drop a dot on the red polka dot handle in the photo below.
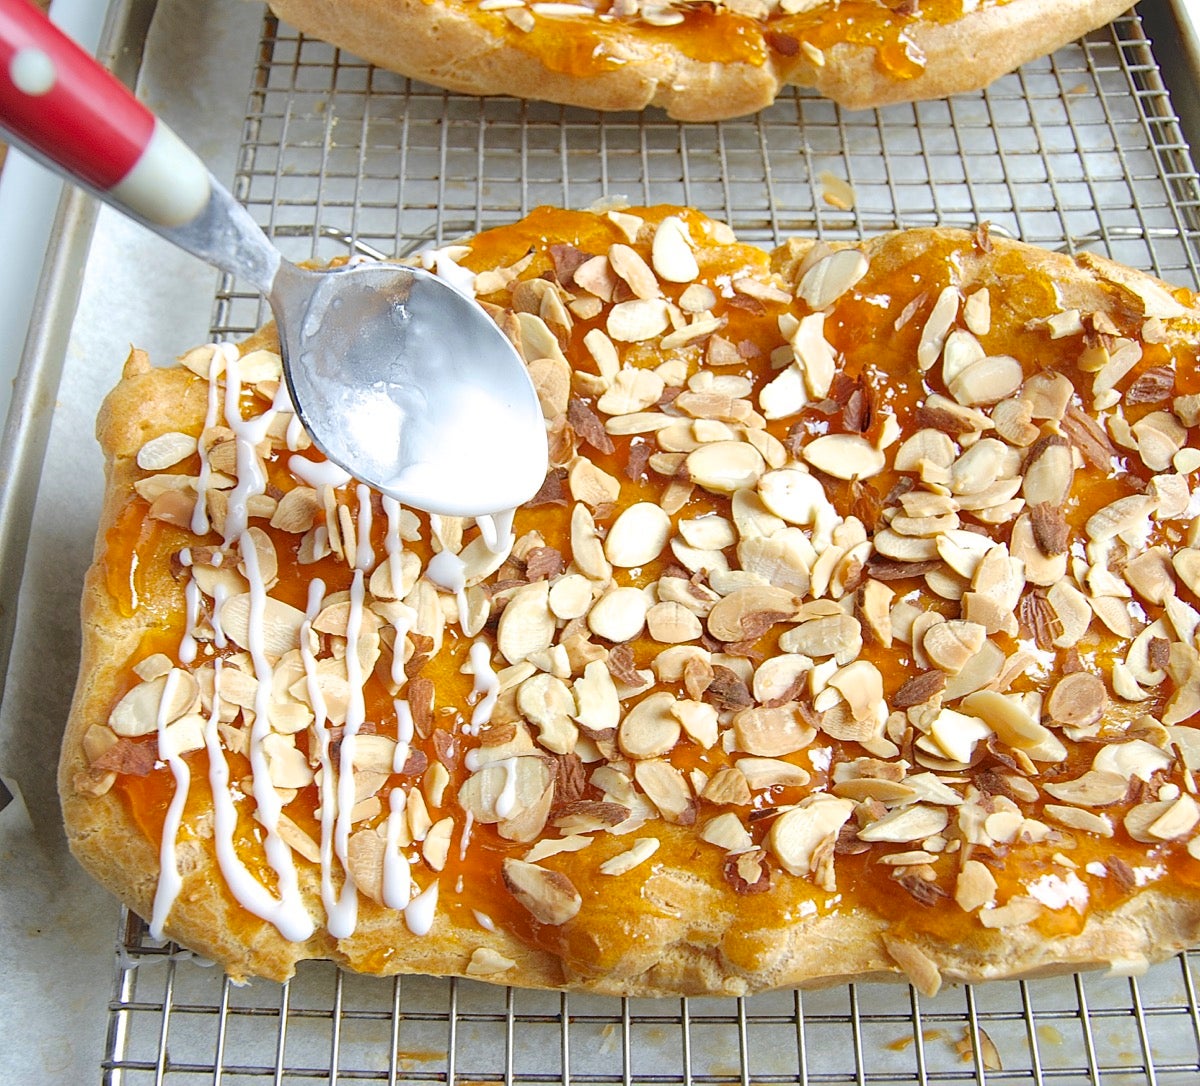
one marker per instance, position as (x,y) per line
(58,103)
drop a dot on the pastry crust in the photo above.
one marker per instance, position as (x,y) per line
(1051,828)
(694,78)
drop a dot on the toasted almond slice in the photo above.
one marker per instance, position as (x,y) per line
(500,789)
(667,788)
(762,773)
(725,466)
(796,835)
(671,252)
(165,451)
(1077,700)
(844,456)
(167,696)
(987,381)
(830,277)
(278,626)
(1076,818)
(637,536)
(937,327)
(599,709)
(1135,759)
(547,701)
(727,832)
(1015,726)
(486,962)
(771,732)
(913,823)
(618,615)
(651,728)
(622,863)
(548,895)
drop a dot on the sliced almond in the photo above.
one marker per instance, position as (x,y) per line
(548,895)
(624,862)
(637,536)
(797,835)
(844,456)
(830,277)
(671,251)
(1077,700)
(725,466)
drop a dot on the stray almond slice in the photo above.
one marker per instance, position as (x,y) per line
(919,967)
(548,895)
(486,962)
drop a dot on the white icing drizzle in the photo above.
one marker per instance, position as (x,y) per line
(191,601)
(507,799)
(444,266)
(200,521)
(419,913)
(248,433)
(393,546)
(397,875)
(405,730)
(468,825)
(295,431)
(267,799)
(170,881)
(364,557)
(355,716)
(340,909)
(220,595)
(487,686)
(496,529)
(448,571)
(286,914)
(318,473)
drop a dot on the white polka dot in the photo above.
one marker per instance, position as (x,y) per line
(32,71)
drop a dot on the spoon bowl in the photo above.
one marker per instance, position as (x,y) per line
(399,377)
(398,380)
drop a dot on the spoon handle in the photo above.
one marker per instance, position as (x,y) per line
(77,118)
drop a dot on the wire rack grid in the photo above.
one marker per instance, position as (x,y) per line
(1081,149)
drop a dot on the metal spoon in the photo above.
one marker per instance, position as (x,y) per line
(398,377)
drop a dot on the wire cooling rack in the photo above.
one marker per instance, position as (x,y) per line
(1079,150)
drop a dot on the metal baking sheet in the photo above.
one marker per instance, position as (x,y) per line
(1084,149)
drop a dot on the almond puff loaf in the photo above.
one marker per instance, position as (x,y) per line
(701,61)
(853,634)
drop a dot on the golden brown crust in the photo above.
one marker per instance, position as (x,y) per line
(445,43)
(683,930)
